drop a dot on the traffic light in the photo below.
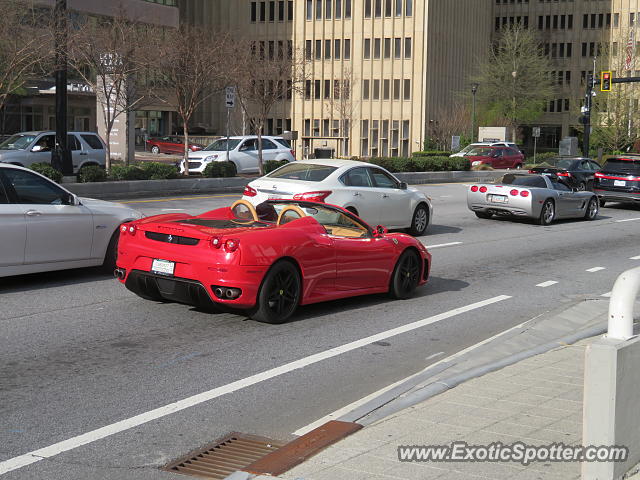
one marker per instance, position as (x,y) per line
(605,81)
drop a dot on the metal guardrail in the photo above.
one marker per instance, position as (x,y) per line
(623,297)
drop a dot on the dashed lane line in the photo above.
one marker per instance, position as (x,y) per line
(594,269)
(546,284)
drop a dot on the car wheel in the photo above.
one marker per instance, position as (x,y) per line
(592,209)
(110,257)
(484,215)
(155,149)
(419,221)
(279,294)
(519,166)
(582,187)
(602,203)
(548,213)
(406,275)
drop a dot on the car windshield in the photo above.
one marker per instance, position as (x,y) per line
(524,180)
(221,145)
(562,163)
(480,151)
(17,142)
(469,147)
(303,171)
(622,165)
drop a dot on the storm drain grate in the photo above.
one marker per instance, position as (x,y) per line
(218,460)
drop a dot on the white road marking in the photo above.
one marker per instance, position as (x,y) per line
(628,220)
(444,245)
(606,295)
(546,284)
(34,456)
(430,357)
(635,258)
(594,269)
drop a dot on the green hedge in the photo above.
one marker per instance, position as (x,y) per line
(127,172)
(422,164)
(159,171)
(92,173)
(219,169)
(48,171)
(271,165)
(431,153)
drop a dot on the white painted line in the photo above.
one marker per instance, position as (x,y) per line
(628,220)
(635,258)
(606,295)
(594,269)
(18,462)
(546,284)
(444,245)
(430,357)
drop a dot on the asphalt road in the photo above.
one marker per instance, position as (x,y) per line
(78,352)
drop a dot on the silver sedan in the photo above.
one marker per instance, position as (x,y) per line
(542,197)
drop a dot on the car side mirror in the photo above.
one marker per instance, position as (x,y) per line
(403,185)
(37,148)
(69,199)
(379,231)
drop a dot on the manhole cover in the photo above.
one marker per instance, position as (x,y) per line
(218,460)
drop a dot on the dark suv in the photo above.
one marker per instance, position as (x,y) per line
(619,180)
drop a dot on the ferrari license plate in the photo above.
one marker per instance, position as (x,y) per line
(619,183)
(498,198)
(163,267)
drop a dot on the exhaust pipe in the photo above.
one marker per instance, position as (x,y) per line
(227,293)
(119,273)
(220,293)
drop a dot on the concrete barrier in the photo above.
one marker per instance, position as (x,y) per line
(611,413)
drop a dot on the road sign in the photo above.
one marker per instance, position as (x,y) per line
(536,132)
(230,97)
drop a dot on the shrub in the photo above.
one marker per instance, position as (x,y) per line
(159,171)
(219,169)
(271,165)
(128,172)
(47,170)
(431,153)
(92,173)
(541,157)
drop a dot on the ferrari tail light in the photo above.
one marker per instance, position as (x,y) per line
(216,242)
(249,191)
(514,192)
(231,245)
(129,228)
(474,188)
(564,174)
(313,196)
(524,193)
(483,189)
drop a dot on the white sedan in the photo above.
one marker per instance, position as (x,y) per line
(44,227)
(367,190)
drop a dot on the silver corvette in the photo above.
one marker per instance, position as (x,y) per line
(542,197)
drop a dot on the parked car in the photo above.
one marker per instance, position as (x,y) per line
(267,260)
(243,153)
(577,172)
(45,227)
(27,148)
(544,198)
(618,180)
(471,146)
(366,190)
(170,144)
(496,157)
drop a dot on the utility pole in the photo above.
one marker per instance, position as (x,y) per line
(60,155)
(474,90)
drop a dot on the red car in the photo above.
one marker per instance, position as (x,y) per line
(267,259)
(170,145)
(496,157)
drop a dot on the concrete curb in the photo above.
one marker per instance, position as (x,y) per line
(199,185)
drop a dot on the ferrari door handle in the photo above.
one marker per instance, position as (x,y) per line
(33,213)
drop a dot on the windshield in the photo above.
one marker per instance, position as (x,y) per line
(562,163)
(622,166)
(480,151)
(17,142)
(524,180)
(221,145)
(303,171)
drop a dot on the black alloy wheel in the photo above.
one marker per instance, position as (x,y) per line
(406,275)
(279,294)
(591,211)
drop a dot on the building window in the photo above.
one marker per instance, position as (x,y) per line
(327,89)
(367,8)
(318,9)
(309,9)
(386,89)
(376,89)
(387,48)
(336,49)
(316,89)
(327,9)
(378,8)
(272,11)
(398,8)
(347,49)
(407,89)
(338,13)
(290,11)
(263,11)
(396,89)
(281,11)
(408,8)
(347,8)
(308,53)
(307,127)
(365,89)
(367,48)
(318,49)
(327,49)
(254,11)
(387,8)
(307,90)
(407,47)
(376,48)
(397,48)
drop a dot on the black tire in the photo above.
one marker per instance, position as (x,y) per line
(155,149)
(548,212)
(602,203)
(591,212)
(406,275)
(519,166)
(419,221)
(484,215)
(111,256)
(279,294)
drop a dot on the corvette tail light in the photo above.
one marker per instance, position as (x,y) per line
(231,245)
(524,193)
(474,188)
(216,242)
(564,174)
(313,196)
(483,189)
(249,192)
(513,192)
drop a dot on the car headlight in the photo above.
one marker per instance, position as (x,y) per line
(211,158)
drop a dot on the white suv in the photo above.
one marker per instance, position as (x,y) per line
(243,153)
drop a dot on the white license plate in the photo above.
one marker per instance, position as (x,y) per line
(619,183)
(274,197)
(163,267)
(498,198)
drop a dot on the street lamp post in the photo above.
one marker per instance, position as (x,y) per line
(60,155)
(474,89)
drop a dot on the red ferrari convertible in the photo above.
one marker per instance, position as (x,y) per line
(267,259)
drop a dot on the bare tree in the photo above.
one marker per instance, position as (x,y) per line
(452,121)
(108,55)
(25,45)
(270,73)
(193,65)
(342,106)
